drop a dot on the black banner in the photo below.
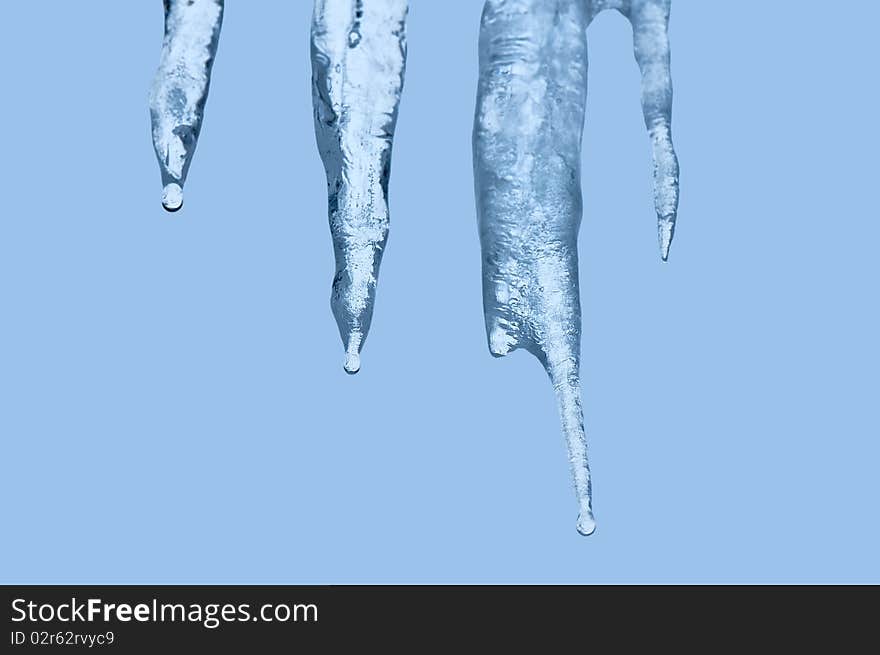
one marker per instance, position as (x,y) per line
(179,618)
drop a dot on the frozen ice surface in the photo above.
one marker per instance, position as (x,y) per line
(527,163)
(180,88)
(358,61)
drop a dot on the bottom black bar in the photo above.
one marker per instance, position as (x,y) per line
(172,619)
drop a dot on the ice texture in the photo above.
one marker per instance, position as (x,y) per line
(180,89)
(358,61)
(650,23)
(527,163)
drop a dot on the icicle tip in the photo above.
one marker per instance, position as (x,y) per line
(353,353)
(172,197)
(352,363)
(666,231)
(586,524)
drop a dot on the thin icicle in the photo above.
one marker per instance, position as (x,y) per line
(180,89)
(650,25)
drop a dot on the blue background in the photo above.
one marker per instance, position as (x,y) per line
(174,407)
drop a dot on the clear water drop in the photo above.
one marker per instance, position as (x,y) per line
(172,197)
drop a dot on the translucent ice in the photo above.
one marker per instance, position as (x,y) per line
(650,23)
(180,88)
(527,157)
(358,60)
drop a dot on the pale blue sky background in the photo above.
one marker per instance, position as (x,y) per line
(172,401)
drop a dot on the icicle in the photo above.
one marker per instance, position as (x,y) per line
(358,60)
(650,25)
(527,154)
(180,89)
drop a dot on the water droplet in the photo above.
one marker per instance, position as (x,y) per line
(172,197)
(352,362)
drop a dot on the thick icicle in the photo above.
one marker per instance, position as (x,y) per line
(527,163)
(358,60)
(527,152)
(180,88)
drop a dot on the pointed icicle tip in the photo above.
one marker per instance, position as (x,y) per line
(353,354)
(172,197)
(352,362)
(666,230)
